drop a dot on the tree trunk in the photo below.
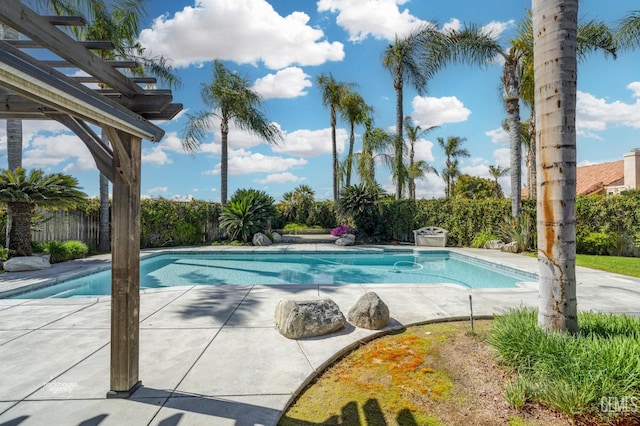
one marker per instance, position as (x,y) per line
(412,181)
(555,30)
(20,232)
(334,151)
(513,109)
(352,141)
(104,238)
(224,160)
(399,142)
(533,185)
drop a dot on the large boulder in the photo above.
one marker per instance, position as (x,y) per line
(346,240)
(26,263)
(494,245)
(277,238)
(260,239)
(512,247)
(369,312)
(307,317)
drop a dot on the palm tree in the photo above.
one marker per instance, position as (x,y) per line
(354,110)
(627,35)
(555,70)
(497,172)
(453,151)
(375,144)
(417,57)
(332,93)
(303,199)
(416,170)
(23,193)
(229,98)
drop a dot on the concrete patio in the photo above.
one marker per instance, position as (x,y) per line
(210,355)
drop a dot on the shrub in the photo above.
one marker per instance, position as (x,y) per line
(77,249)
(517,230)
(64,251)
(482,238)
(4,253)
(248,212)
(599,243)
(323,214)
(342,230)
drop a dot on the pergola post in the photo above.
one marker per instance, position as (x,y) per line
(125,269)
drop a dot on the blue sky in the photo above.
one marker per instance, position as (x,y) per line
(281,46)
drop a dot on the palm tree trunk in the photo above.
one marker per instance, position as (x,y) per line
(513,110)
(224,160)
(412,181)
(20,233)
(555,31)
(334,151)
(533,185)
(399,142)
(352,141)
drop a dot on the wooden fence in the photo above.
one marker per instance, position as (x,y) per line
(63,225)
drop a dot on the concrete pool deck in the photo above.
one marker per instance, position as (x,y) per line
(212,355)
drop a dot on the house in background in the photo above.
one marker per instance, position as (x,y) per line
(607,178)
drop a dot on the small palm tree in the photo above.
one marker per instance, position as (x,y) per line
(354,110)
(497,172)
(23,193)
(229,98)
(452,150)
(248,212)
(418,169)
(376,142)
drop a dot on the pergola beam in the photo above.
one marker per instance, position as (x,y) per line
(90,44)
(27,22)
(24,75)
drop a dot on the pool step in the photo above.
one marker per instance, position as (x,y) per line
(309,239)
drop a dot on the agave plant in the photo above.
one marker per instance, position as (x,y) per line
(23,193)
(361,203)
(248,212)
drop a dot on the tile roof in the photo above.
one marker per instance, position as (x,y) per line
(595,177)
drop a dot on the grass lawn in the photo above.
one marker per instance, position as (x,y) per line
(619,265)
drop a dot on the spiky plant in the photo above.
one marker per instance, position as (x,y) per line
(22,192)
(247,212)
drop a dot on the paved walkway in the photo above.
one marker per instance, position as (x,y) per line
(211,355)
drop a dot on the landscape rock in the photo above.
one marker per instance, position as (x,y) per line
(512,247)
(494,245)
(259,239)
(277,238)
(26,263)
(369,312)
(346,240)
(297,318)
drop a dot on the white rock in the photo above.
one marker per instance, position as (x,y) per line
(346,240)
(306,317)
(26,263)
(259,239)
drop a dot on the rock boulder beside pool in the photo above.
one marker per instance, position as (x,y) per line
(26,263)
(369,312)
(297,318)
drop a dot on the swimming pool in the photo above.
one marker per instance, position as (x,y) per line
(295,268)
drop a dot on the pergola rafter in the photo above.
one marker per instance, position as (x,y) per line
(32,88)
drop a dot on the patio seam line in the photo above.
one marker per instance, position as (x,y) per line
(164,403)
(28,331)
(167,304)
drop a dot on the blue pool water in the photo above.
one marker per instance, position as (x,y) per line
(249,268)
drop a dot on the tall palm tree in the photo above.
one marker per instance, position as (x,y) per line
(229,98)
(417,57)
(592,36)
(354,110)
(332,93)
(416,170)
(453,151)
(555,71)
(496,173)
(23,193)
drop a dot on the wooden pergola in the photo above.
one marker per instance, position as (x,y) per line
(32,88)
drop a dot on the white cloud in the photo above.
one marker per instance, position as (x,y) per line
(311,143)
(290,82)
(243,162)
(430,186)
(279,178)
(246,31)
(428,111)
(496,28)
(155,155)
(502,157)
(381,19)
(595,114)
(423,150)
(157,189)
(453,25)
(47,151)
(498,136)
